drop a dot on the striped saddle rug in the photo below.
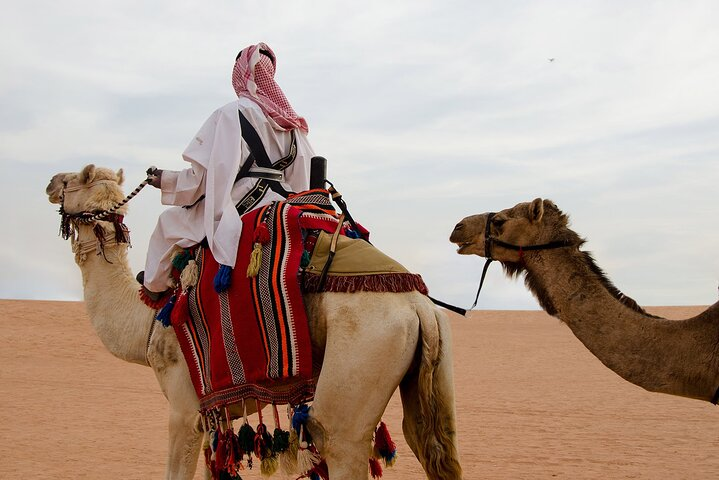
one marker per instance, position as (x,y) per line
(252,340)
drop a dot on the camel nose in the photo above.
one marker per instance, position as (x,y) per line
(457,230)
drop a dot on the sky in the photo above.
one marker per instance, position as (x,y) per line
(427,111)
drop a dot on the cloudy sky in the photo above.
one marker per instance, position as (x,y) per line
(427,111)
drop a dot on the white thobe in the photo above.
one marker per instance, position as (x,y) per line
(215,155)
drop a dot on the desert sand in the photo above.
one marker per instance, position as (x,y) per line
(532,403)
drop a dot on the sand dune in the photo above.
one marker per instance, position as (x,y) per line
(532,403)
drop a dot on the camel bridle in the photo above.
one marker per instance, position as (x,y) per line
(490,242)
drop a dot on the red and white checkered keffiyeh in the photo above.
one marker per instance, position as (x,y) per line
(254,77)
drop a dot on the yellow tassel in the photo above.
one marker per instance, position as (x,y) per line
(255,260)
(269,466)
(189,276)
(288,458)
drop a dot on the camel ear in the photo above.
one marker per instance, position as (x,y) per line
(120,177)
(88,174)
(536,210)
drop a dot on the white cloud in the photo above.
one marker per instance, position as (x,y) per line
(427,111)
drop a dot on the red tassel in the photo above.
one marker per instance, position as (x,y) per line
(234,457)
(262,450)
(375,469)
(382,440)
(221,452)
(181,311)
(262,233)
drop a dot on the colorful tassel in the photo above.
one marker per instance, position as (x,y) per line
(246,438)
(384,447)
(375,469)
(262,442)
(181,311)
(307,457)
(221,452)
(300,417)
(306,258)
(262,233)
(223,278)
(164,314)
(269,466)
(180,260)
(190,275)
(253,268)
(280,440)
(288,458)
(233,454)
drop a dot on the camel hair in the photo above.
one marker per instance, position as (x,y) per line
(368,345)
(677,357)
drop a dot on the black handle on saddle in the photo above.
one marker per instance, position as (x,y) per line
(318,172)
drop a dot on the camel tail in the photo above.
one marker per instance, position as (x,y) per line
(436,435)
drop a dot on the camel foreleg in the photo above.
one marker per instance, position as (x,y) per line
(185,426)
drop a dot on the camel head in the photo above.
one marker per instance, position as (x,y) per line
(90,190)
(534,223)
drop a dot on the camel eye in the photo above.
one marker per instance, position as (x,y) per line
(498,222)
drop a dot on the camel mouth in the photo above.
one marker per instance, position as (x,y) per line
(463,246)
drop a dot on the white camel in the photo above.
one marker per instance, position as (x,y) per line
(368,343)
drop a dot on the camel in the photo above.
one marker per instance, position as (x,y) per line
(668,356)
(368,343)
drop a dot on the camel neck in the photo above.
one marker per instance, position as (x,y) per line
(118,315)
(677,357)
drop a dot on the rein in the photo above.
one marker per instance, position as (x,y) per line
(70,221)
(88,217)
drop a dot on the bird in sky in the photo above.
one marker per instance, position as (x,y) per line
(551,59)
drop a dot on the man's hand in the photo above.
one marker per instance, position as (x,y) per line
(155,176)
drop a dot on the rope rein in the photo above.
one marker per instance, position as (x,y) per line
(84,218)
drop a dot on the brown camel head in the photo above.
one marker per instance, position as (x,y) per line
(531,223)
(92,189)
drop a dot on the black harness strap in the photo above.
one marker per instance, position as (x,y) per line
(258,156)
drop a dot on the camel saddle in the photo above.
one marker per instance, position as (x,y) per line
(252,339)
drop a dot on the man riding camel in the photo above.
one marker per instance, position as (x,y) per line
(249,153)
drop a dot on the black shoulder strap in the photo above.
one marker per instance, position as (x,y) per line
(257,149)
(258,155)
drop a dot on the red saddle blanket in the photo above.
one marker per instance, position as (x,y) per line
(252,340)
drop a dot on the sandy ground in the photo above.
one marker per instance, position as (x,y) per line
(532,402)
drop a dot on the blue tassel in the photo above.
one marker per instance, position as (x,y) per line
(302,414)
(352,234)
(164,314)
(223,278)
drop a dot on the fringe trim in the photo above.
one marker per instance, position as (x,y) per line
(154,304)
(381,282)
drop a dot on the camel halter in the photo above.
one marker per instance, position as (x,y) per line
(490,242)
(90,217)
(70,221)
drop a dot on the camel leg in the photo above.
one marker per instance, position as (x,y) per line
(434,446)
(185,427)
(368,350)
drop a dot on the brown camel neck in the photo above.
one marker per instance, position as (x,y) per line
(120,319)
(669,356)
